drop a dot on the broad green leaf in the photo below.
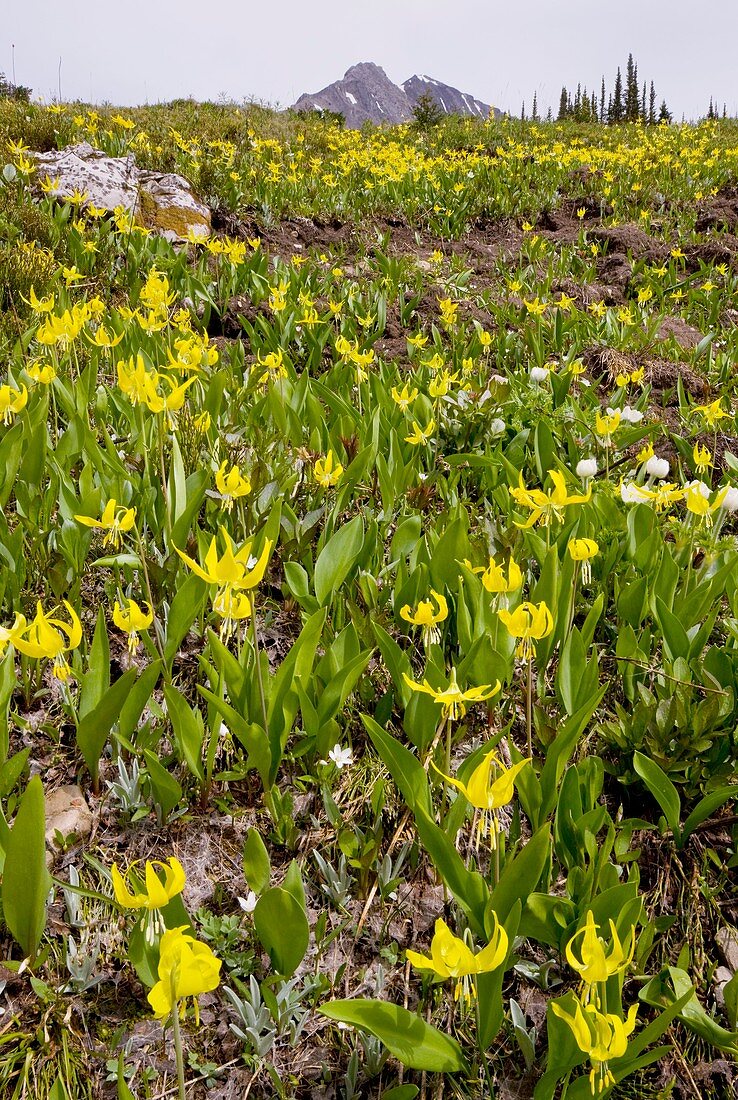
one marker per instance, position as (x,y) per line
(96,680)
(337,558)
(94,729)
(282,926)
(257,867)
(166,789)
(412,1041)
(707,806)
(521,874)
(26,881)
(186,606)
(188,728)
(662,789)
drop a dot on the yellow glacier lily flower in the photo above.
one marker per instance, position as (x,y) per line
(583,550)
(157,893)
(51,638)
(494,580)
(131,619)
(452,698)
(327,472)
(420,435)
(595,965)
(231,485)
(115,520)
(602,1036)
(450,957)
(187,968)
(426,617)
(547,506)
(12,401)
(491,785)
(529,622)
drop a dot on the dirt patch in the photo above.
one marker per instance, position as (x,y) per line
(630,240)
(676,329)
(662,375)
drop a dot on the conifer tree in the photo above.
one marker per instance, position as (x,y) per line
(616,111)
(534,111)
(664,112)
(563,105)
(602,101)
(652,106)
(644,116)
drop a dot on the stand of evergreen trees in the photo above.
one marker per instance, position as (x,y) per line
(13,91)
(629,101)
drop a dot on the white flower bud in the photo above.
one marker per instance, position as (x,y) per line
(730,500)
(587,467)
(539,374)
(657,467)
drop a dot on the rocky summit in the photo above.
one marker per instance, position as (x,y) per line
(366,94)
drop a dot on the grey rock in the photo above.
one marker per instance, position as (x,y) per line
(160,201)
(726,941)
(67,814)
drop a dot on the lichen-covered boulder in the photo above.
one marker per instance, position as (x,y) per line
(160,201)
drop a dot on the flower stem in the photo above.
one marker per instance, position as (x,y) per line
(257,656)
(178,1050)
(529,705)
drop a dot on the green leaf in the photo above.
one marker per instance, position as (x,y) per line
(138,697)
(282,926)
(96,680)
(94,728)
(188,728)
(257,867)
(26,881)
(412,1041)
(185,608)
(521,874)
(166,789)
(706,807)
(676,639)
(337,558)
(662,789)
(7,686)
(405,768)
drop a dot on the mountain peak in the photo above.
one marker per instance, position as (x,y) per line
(366,94)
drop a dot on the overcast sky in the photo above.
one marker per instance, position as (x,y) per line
(138,51)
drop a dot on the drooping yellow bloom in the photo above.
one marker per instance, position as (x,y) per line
(702,458)
(51,638)
(602,1036)
(607,425)
(326,471)
(426,617)
(234,574)
(583,550)
(449,311)
(43,373)
(441,384)
(452,698)
(595,964)
(420,435)
(8,634)
(187,968)
(115,520)
(40,305)
(450,957)
(494,580)
(529,622)
(231,485)
(130,619)
(155,894)
(12,401)
(711,413)
(404,397)
(491,785)
(547,506)
(697,500)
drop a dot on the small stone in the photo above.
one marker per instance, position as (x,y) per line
(726,940)
(67,814)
